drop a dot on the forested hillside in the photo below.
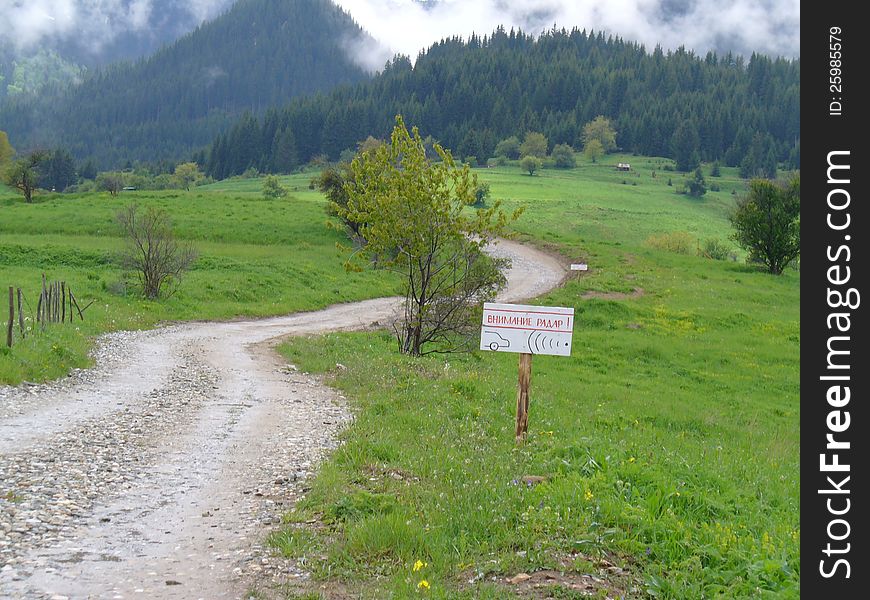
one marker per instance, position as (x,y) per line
(471,94)
(261,53)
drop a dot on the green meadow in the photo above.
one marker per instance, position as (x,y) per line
(663,453)
(257,257)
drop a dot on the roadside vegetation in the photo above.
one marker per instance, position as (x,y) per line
(662,459)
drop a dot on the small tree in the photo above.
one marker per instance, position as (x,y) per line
(151,248)
(593,150)
(563,156)
(482,194)
(509,148)
(414,221)
(272,188)
(23,174)
(767,223)
(187,174)
(716,170)
(697,185)
(531,164)
(110,182)
(6,149)
(600,129)
(534,144)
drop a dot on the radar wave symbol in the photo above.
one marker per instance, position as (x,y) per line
(540,342)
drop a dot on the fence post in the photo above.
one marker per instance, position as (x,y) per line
(11,317)
(20,315)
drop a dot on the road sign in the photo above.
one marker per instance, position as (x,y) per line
(527,329)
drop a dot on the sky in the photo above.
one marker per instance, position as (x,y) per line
(407,26)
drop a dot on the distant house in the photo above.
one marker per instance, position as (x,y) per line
(129,188)
(623,167)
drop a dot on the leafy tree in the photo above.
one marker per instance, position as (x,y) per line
(534,144)
(23,174)
(697,185)
(110,182)
(600,129)
(563,155)
(272,188)
(6,149)
(509,148)
(767,223)
(482,194)
(187,174)
(715,170)
(370,143)
(151,248)
(531,164)
(335,182)
(415,223)
(593,150)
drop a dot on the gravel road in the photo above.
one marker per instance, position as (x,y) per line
(159,472)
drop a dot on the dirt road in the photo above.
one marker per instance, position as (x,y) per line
(158,473)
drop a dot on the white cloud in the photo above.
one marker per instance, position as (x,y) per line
(26,24)
(743,26)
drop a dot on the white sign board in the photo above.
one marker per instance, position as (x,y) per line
(579,267)
(528,329)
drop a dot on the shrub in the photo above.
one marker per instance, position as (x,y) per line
(717,250)
(680,242)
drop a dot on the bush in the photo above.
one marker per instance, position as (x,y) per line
(151,249)
(680,242)
(717,250)
(563,157)
(272,188)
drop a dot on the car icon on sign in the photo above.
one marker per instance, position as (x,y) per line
(495,341)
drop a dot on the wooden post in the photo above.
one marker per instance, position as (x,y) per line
(20,315)
(74,301)
(525,378)
(62,301)
(44,300)
(11,317)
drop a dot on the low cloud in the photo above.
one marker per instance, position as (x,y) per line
(92,24)
(741,26)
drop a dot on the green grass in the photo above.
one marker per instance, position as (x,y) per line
(669,439)
(257,257)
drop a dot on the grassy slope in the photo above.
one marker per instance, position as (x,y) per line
(669,438)
(257,257)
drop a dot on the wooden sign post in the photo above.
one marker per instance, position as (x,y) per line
(527,330)
(524,381)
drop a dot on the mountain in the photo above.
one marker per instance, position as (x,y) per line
(260,53)
(471,94)
(49,43)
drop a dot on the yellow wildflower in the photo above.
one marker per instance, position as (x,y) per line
(423,585)
(588,495)
(419,565)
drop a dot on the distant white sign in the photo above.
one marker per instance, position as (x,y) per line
(527,329)
(579,267)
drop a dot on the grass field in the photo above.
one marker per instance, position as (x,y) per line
(257,257)
(668,441)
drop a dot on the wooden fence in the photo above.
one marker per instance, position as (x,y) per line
(55,305)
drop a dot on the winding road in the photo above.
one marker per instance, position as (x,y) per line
(159,472)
